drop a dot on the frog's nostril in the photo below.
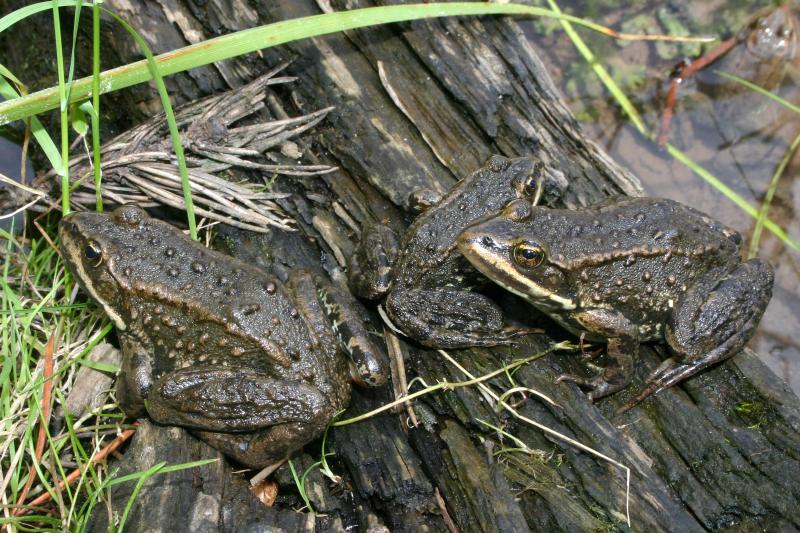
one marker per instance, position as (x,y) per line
(487,242)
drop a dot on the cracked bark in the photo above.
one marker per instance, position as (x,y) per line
(420,105)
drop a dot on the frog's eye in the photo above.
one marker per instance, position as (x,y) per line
(529,185)
(528,255)
(92,251)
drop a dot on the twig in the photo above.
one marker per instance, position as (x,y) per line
(75,474)
(47,395)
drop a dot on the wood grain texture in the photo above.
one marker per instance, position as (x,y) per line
(421,105)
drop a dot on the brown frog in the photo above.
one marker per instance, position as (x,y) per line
(248,364)
(625,271)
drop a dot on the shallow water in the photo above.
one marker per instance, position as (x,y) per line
(738,136)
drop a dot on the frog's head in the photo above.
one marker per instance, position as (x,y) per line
(508,249)
(772,35)
(93,245)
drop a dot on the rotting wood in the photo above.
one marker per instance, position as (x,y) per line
(419,105)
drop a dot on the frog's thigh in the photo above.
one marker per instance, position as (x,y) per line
(449,318)
(326,309)
(234,400)
(265,447)
(714,320)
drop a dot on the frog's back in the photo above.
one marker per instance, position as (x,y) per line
(201,306)
(430,241)
(642,227)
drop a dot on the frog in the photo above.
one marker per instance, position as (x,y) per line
(249,364)
(761,52)
(424,283)
(625,271)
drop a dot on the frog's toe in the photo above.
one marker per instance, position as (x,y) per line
(512,332)
(599,386)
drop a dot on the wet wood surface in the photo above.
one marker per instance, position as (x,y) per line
(422,105)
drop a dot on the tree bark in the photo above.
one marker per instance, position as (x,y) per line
(421,105)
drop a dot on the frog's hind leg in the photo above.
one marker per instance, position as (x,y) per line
(447,318)
(254,418)
(328,306)
(711,323)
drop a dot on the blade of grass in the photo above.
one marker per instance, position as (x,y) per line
(98,172)
(760,90)
(251,40)
(172,124)
(638,123)
(761,218)
(150,472)
(64,107)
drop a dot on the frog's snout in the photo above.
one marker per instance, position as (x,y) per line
(473,242)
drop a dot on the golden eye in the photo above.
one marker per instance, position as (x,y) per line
(92,251)
(528,255)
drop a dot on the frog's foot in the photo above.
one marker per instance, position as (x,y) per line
(662,377)
(608,381)
(449,318)
(369,272)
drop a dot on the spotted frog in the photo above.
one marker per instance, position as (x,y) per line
(247,363)
(424,281)
(626,271)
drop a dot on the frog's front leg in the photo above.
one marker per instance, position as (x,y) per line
(136,375)
(623,348)
(255,418)
(712,322)
(447,318)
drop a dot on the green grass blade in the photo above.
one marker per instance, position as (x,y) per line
(636,120)
(63,105)
(760,90)
(98,170)
(171,123)
(150,472)
(251,40)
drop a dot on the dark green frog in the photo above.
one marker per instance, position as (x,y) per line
(247,363)
(626,271)
(425,282)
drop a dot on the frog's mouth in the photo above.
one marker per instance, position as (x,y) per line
(492,258)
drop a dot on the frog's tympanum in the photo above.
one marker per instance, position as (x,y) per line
(425,281)
(247,363)
(627,271)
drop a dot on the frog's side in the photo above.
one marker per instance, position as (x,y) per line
(209,342)
(627,271)
(426,285)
